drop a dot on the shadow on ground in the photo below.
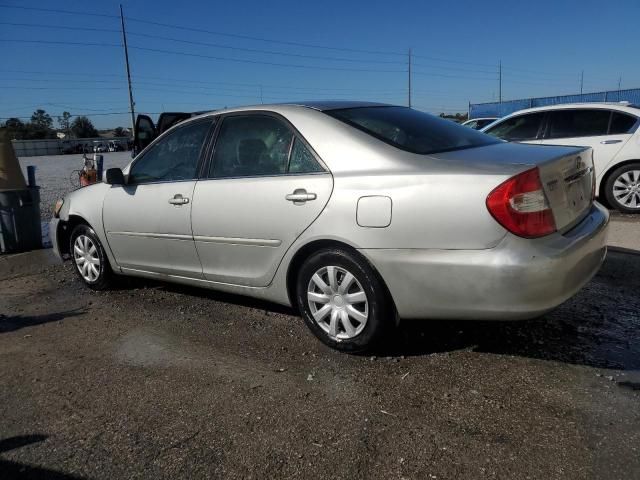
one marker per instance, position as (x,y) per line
(16,470)
(16,322)
(600,327)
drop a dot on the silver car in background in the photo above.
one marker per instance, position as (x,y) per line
(354,213)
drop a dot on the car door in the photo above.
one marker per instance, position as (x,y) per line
(148,220)
(525,128)
(264,186)
(603,130)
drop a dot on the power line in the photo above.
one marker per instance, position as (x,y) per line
(172,79)
(258,62)
(54,42)
(494,72)
(269,52)
(51,10)
(208,44)
(60,27)
(82,115)
(448,60)
(453,76)
(212,57)
(14,87)
(260,39)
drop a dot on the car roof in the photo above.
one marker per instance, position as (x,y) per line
(623,107)
(325,105)
(319,105)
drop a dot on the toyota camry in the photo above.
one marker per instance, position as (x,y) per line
(356,214)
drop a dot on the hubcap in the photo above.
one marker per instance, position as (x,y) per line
(338,302)
(626,189)
(85,255)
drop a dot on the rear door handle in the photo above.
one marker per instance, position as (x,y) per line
(300,196)
(609,142)
(178,200)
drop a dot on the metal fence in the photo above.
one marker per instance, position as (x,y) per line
(54,146)
(500,109)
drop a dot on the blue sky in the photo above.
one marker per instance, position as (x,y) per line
(543,47)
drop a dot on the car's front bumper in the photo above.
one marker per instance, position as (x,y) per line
(53,236)
(517,279)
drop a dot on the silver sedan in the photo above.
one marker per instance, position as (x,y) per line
(356,214)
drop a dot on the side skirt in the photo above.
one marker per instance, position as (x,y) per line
(263,293)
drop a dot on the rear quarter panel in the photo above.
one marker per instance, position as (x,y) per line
(439,210)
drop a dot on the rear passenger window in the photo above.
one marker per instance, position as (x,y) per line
(621,123)
(578,123)
(520,128)
(252,145)
(259,145)
(302,160)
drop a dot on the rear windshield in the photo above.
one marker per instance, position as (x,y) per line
(411,130)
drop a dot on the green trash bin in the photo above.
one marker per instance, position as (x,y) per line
(20,226)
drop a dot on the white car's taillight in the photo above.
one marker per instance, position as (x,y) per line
(520,205)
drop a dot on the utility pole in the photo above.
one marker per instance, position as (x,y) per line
(500,82)
(409,99)
(126,59)
(581,81)
(261,100)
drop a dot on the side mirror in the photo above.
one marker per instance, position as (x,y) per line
(115,176)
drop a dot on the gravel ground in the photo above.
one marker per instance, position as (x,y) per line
(56,176)
(161,381)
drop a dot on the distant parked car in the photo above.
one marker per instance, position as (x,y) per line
(478,123)
(99,147)
(356,213)
(610,129)
(115,146)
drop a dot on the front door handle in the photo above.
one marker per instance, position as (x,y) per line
(300,196)
(609,142)
(178,200)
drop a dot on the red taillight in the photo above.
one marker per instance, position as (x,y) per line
(520,206)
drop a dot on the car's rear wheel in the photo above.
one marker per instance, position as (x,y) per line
(622,188)
(342,300)
(89,258)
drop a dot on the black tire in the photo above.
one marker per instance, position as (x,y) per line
(609,188)
(104,277)
(379,308)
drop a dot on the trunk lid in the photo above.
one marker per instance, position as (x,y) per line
(568,182)
(566,173)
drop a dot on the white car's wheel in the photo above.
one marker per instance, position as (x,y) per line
(622,188)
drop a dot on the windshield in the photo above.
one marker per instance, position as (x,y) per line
(411,130)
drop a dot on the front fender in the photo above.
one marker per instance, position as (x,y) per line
(84,205)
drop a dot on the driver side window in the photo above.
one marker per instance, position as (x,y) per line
(173,158)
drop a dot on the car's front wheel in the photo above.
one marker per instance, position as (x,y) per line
(342,300)
(89,258)
(622,188)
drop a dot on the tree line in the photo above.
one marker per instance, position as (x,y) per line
(40,126)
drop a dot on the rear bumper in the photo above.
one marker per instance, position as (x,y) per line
(517,279)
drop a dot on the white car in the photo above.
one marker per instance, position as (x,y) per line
(610,129)
(479,123)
